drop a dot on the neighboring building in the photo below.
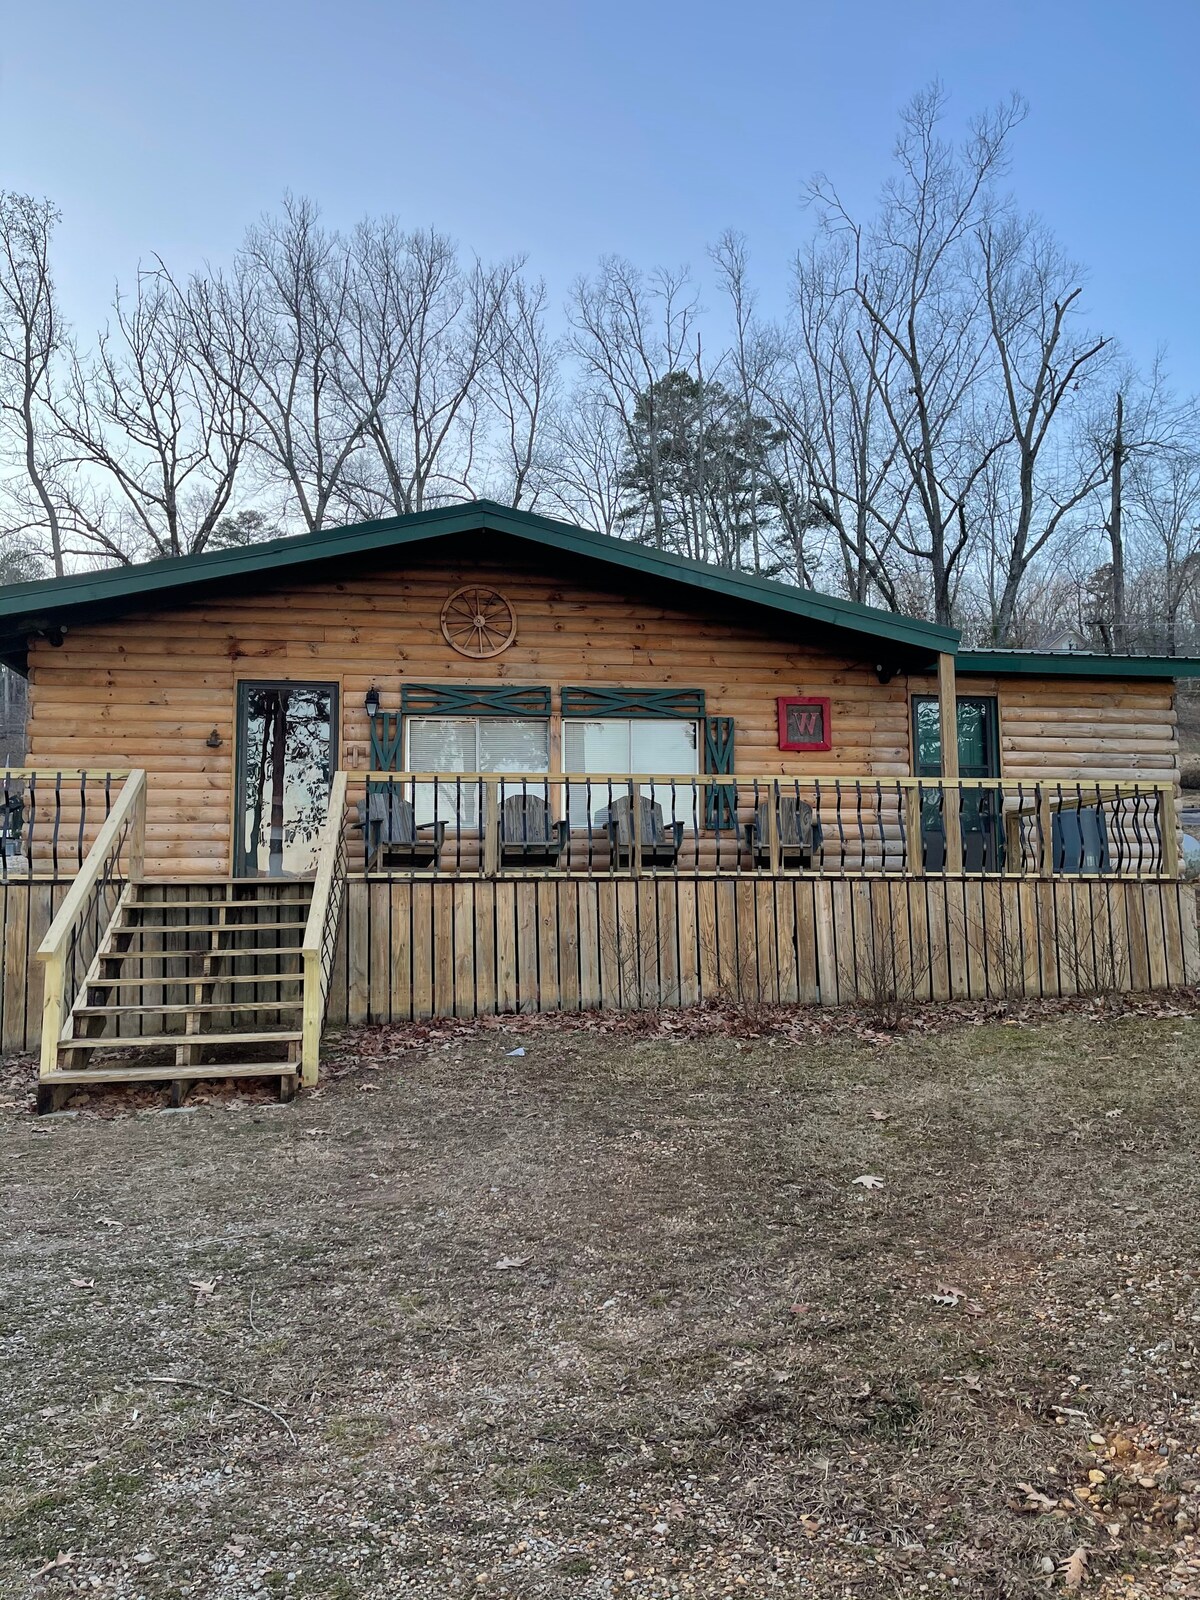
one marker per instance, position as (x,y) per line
(783,730)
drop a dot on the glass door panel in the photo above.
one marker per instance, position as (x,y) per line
(286,734)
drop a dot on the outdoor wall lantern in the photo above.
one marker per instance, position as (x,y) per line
(372,702)
(214,740)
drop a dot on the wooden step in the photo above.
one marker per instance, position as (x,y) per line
(182,955)
(167,1073)
(134,923)
(146,1040)
(182,1009)
(191,980)
(182,929)
(265,897)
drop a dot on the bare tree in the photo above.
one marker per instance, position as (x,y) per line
(1032,292)
(156,435)
(585,453)
(440,339)
(31,339)
(279,322)
(822,390)
(630,331)
(522,386)
(915,291)
(1164,507)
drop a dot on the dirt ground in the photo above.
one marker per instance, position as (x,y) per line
(661,1310)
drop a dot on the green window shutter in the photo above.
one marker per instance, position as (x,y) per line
(598,700)
(720,804)
(386,731)
(474,700)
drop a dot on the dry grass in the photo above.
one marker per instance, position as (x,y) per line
(613,1318)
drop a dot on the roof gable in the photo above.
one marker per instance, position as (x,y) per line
(59,602)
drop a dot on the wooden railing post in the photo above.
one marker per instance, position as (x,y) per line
(491,827)
(1045,832)
(635,829)
(313,948)
(774,854)
(914,836)
(1168,828)
(135,849)
(951,793)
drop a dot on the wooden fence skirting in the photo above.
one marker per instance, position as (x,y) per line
(477,947)
(427,949)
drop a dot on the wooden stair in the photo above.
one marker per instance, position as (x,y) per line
(191,980)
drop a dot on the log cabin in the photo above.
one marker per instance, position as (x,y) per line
(475,760)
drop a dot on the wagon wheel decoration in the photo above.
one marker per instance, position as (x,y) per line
(478,622)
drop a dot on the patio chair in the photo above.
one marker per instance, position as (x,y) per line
(12,824)
(660,844)
(981,828)
(1080,840)
(529,835)
(800,834)
(391,835)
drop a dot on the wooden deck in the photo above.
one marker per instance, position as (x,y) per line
(118,976)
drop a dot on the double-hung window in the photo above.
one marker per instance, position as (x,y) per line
(612,746)
(471,744)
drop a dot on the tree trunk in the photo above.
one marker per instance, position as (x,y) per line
(1115,536)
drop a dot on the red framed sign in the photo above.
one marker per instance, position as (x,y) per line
(804,722)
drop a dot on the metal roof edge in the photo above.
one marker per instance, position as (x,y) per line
(1073,664)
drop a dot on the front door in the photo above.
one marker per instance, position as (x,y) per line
(978,757)
(286,744)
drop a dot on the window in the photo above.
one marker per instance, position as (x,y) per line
(470,744)
(978,737)
(617,745)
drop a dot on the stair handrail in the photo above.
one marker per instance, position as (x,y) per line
(123,833)
(320,931)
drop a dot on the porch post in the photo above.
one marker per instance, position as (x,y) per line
(951,793)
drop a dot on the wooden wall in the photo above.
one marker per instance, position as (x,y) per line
(1080,727)
(148,689)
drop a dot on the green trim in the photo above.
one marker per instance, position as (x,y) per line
(1072,664)
(474,700)
(31,607)
(599,701)
(720,802)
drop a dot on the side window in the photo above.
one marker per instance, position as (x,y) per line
(978,736)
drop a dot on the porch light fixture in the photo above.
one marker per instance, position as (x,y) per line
(371,703)
(214,740)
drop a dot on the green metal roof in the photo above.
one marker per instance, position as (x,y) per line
(58,602)
(1072,664)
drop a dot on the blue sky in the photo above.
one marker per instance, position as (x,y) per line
(566,131)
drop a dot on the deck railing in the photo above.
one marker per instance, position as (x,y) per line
(488,824)
(321,929)
(48,819)
(67,952)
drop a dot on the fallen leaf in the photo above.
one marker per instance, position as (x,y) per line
(205,1287)
(877,1116)
(868,1181)
(507,1262)
(1035,1499)
(108,1222)
(1075,1569)
(519,1051)
(60,1560)
(83,1283)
